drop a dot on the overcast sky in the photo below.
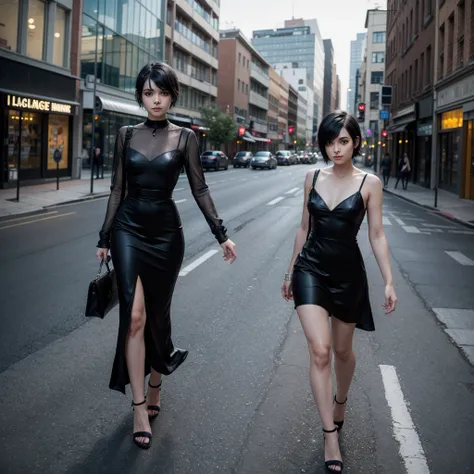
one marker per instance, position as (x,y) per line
(339,20)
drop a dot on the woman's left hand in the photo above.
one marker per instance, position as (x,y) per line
(390,299)
(229,251)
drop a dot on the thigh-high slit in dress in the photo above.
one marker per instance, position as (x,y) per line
(329,271)
(143,229)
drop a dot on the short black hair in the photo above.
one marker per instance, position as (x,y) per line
(163,76)
(331,127)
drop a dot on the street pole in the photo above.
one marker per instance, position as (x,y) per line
(434,130)
(94,90)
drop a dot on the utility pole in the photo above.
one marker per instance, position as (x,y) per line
(434,131)
(94,90)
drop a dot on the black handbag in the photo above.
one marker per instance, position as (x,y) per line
(103,294)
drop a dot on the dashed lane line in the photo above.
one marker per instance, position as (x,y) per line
(404,430)
(179,201)
(460,258)
(197,262)
(278,199)
(410,228)
(291,191)
(28,217)
(399,222)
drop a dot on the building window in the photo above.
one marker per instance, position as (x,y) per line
(58,139)
(239,57)
(59,37)
(378,57)
(9,24)
(422,70)
(35,35)
(374,100)
(238,85)
(378,37)
(376,77)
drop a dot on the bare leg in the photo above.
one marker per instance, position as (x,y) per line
(315,322)
(135,356)
(153,394)
(344,362)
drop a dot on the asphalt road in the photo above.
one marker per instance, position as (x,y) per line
(241,403)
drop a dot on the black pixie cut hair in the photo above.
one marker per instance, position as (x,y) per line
(331,127)
(162,75)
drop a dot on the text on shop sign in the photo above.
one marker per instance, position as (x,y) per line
(37,104)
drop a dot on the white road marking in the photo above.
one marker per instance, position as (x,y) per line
(441,226)
(411,229)
(180,189)
(460,258)
(298,193)
(400,222)
(35,220)
(386,221)
(256,177)
(291,191)
(465,232)
(28,217)
(278,199)
(198,262)
(404,430)
(180,201)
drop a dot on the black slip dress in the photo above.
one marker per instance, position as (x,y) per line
(145,235)
(330,271)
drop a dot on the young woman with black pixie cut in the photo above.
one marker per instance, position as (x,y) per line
(326,275)
(142,228)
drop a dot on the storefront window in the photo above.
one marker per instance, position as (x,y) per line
(13,144)
(451,119)
(59,36)
(9,24)
(450,147)
(58,140)
(36,14)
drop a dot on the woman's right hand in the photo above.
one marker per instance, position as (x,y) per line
(287,290)
(102,254)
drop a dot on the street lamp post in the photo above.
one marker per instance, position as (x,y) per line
(94,90)
(434,130)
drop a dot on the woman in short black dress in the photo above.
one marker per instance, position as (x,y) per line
(143,229)
(327,277)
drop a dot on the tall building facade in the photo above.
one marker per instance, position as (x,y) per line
(371,79)
(39,100)
(243,91)
(357,56)
(301,44)
(329,95)
(338,92)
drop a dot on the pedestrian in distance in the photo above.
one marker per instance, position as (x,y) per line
(326,276)
(386,166)
(98,163)
(404,170)
(143,230)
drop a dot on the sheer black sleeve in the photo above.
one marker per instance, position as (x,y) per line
(115,191)
(200,189)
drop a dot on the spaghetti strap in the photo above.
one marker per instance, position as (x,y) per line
(315,177)
(362,184)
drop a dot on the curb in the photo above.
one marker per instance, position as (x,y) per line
(445,215)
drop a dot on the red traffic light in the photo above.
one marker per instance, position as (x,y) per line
(361,107)
(291,129)
(241,131)
(384,133)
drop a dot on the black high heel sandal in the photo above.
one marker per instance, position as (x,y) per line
(339,423)
(334,462)
(141,434)
(154,407)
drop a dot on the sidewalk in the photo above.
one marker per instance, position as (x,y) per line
(449,205)
(38,197)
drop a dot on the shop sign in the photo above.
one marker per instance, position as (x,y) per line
(41,105)
(424,130)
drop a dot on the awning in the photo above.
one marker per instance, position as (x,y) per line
(400,128)
(120,105)
(248,138)
(258,139)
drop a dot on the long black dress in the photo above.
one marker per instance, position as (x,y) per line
(145,235)
(330,271)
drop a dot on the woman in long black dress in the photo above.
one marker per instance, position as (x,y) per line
(143,229)
(326,276)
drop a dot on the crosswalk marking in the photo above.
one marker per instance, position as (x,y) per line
(399,222)
(411,450)
(460,258)
(386,221)
(278,199)
(198,262)
(291,191)
(410,229)
(180,201)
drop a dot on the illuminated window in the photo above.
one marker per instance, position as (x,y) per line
(451,119)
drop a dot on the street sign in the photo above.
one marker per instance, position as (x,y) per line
(384,114)
(57,155)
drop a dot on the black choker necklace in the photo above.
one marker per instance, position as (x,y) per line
(156,124)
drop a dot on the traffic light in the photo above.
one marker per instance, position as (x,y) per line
(291,129)
(384,133)
(361,109)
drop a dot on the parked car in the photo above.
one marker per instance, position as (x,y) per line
(242,159)
(214,160)
(284,158)
(264,159)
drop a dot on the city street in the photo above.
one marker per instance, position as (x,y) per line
(241,403)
